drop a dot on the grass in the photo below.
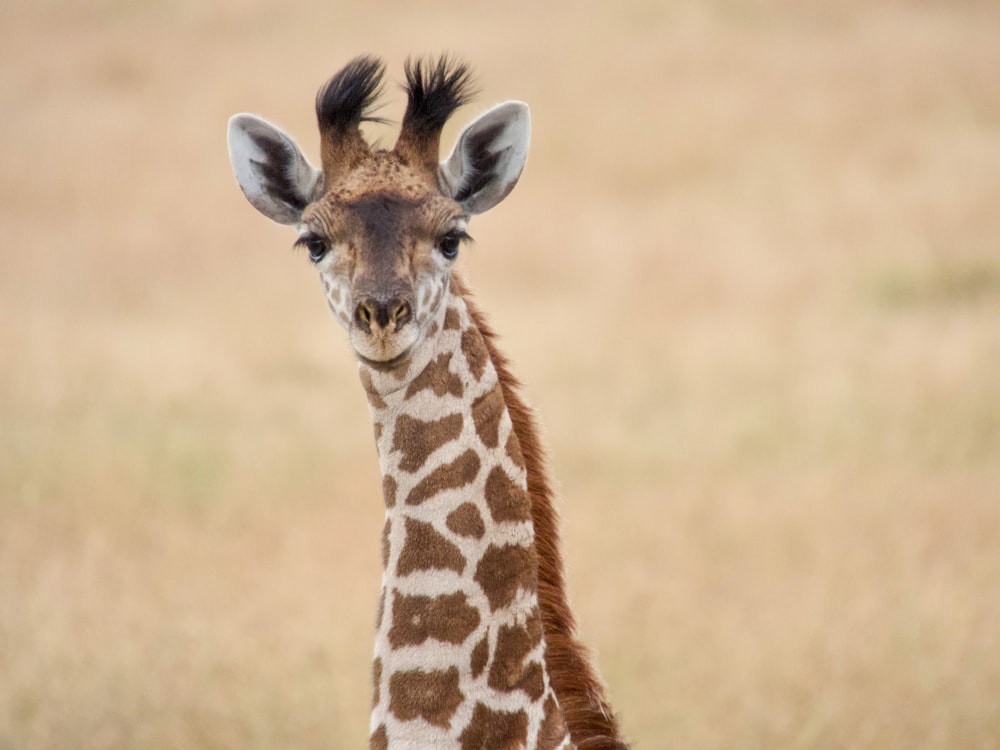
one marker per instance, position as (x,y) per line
(749,278)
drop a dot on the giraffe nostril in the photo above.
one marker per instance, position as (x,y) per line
(371,312)
(365,313)
(399,312)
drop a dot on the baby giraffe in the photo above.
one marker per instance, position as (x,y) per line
(475,644)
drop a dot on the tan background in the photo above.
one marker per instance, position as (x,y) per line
(751,278)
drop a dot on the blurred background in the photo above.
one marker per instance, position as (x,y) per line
(750,278)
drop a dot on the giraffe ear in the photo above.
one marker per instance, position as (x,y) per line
(271,170)
(488,158)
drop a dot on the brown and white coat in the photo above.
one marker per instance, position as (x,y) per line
(475,644)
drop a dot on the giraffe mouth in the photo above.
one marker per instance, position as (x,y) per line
(385,365)
(383,349)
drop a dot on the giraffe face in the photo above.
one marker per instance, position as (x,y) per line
(384,241)
(383,227)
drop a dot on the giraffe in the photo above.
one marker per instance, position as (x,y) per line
(475,644)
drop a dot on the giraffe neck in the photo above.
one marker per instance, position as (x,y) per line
(459,648)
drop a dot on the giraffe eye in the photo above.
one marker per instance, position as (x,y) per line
(448,244)
(315,245)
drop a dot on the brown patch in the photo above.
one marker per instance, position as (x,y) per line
(433,696)
(513,450)
(389,491)
(480,653)
(448,618)
(487,411)
(378,432)
(386,530)
(552,732)
(439,378)
(474,351)
(417,439)
(426,549)
(504,570)
(589,718)
(509,671)
(379,740)
(373,397)
(437,298)
(376,681)
(496,730)
(507,501)
(452,322)
(466,521)
(458,473)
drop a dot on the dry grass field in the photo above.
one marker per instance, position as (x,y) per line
(751,279)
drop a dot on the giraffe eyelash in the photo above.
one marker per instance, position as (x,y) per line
(316,245)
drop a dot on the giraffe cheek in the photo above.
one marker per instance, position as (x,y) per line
(338,299)
(430,295)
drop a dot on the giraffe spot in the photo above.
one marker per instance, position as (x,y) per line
(509,671)
(389,491)
(507,500)
(379,740)
(458,473)
(386,530)
(452,321)
(504,570)
(552,732)
(480,653)
(437,297)
(475,352)
(373,397)
(448,618)
(439,378)
(513,450)
(426,549)
(497,730)
(466,521)
(378,432)
(376,681)
(432,696)
(417,439)
(487,411)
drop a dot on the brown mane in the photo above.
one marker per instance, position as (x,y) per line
(591,722)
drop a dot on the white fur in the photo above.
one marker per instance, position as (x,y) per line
(511,142)
(247,157)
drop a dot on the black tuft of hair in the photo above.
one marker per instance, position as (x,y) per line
(347,98)
(435,90)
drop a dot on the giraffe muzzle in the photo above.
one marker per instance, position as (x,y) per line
(374,316)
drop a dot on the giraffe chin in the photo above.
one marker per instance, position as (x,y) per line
(386,351)
(386,365)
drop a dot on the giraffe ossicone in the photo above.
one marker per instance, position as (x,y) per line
(475,644)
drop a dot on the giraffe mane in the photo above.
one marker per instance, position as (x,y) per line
(589,718)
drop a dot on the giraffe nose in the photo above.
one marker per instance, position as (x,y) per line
(373,313)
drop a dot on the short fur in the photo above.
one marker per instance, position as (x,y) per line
(591,722)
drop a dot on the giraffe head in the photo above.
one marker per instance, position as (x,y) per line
(383,227)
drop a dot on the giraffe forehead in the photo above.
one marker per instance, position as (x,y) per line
(385,172)
(383,215)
